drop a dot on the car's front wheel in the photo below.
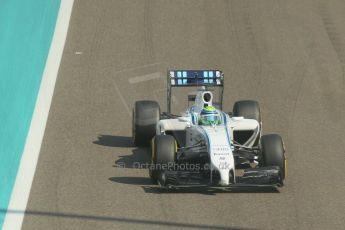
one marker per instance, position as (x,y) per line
(163,148)
(273,152)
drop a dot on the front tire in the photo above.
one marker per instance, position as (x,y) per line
(164,150)
(273,153)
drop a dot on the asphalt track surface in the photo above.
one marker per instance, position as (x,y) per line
(288,55)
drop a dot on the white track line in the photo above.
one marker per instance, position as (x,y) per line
(27,167)
(147,77)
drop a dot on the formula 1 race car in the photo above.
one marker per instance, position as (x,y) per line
(205,146)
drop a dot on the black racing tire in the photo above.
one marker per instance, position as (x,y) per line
(248,109)
(146,114)
(163,148)
(273,152)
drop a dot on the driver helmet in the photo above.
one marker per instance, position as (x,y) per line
(209,116)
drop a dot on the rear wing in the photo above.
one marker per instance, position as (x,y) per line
(194,78)
(185,78)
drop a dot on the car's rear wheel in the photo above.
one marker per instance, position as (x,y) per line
(146,114)
(164,149)
(273,153)
(247,109)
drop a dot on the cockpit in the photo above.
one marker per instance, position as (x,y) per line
(210,119)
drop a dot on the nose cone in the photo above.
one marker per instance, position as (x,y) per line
(224,177)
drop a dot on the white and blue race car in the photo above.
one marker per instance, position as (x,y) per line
(205,146)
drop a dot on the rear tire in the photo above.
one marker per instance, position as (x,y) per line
(146,114)
(163,153)
(247,109)
(273,152)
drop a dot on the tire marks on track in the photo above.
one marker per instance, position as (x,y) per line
(246,39)
(331,29)
(148,31)
(336,40)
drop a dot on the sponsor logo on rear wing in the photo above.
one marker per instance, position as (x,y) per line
(195,78)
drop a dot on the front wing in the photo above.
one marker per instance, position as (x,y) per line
(253,177)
